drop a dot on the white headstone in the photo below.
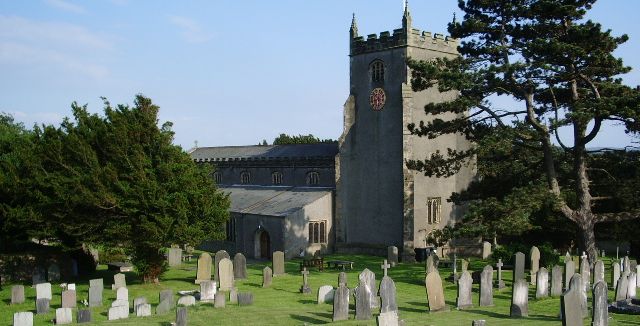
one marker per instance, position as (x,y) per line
(325,294)
(43,291)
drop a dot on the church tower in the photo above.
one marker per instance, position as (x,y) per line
(379,202)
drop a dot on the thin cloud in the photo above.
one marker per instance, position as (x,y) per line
(66,6)
(190,29)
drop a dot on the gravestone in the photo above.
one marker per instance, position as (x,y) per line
(84,316)
(53,273)
(368,278)
(207,291)
(233,296)
(518,269)
(225,274)
(164,307)
(501,284)
(305,289)
(220,300)
(520,298)
(119,281)
(63,316)
(341,303)
(385,266)
(122,294)
(389,318)
(43,291)
(174,257)
(435,293)
(239,267)
(573,307)
(464,291)
(392,255)
(585,272)
(534,258)
(363,303)
(569,270)
(267,275)
(388,295)
(181,316)
(117,303)
(136,302)
(567,258)
(556,281)
(71,286)
(542,283)
(245,298)
(167,295)
(24,318)
(119,312)
(486,250)
(187,300)
(69,299)
(39,275)
(600,304)
(204,268)
(430,265)
(465,264)
(486,286)
(627,264)
(278,263)
(638,276)
(598,272)
(95,292)
(17,294)
(143,310)
(479,322)
(42,306)
(622,287)
(633,280)
(220,254)
(615,273)
(342,279)
(325,294)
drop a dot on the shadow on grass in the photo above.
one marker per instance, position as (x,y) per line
(255,285)
(308,319)
(306,301)
(424,309)
(324,315)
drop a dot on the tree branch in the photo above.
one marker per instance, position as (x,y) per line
(617,217)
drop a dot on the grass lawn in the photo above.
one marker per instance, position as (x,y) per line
(282,304)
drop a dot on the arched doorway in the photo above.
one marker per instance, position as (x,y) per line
(262,244)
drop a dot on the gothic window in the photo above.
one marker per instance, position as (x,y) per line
(276,178)
(313,178)
(231,229)
(377,71)
(245,177)
(217,177)
(318,232)
(434,209)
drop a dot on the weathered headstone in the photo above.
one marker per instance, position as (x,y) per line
(64,316)
(556,281)
(598,272)
(17,294)
(569,270)
(638,276)
(501,284)
(181,316)
(187,300)
(167,295)
(174,257)
(518,269)
(69,299)
(385,266)
(368,278)
(622,287)
(220,300)
(119,312)
(600,304)
(325,294)
(43,291)
(392,255)
(486,286)
(585,272)
(631,292)
(204,268)
(53,273)
(542,283)
(389,318)
(464,291)
(615,273)
(278,263)
(233,295)
(143,310)
(363,304)
(136,302)
(520,298)
(430,265)
(341,303)
(24,318)
(39,275)
(465,264)
(164,307)
(207,291)
(84,316)
(305,289)
(71,286)
(95,292)
(572,304)
(225,274)
(239,267)
(119,281)
(534,259)
(626,264)
(122,294)
(220,254)
(267,275)
(342,279)
(486,250)
(388,295)
(245,298)
(435,293)
(479,322)
(117,303)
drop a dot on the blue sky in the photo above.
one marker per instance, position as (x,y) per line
(224,72)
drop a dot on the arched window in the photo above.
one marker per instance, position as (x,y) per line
(434,208)
(245,177)
(217,177)
(276,178)
(377,71)
(313,178)
(318,232)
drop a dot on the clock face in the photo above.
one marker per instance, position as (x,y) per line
(377,99)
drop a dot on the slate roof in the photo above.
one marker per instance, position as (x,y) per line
(272,201)
(258,151)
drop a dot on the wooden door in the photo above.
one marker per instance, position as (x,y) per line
(265,245)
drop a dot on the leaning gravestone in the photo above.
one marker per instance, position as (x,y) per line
(239,267)
(534,257)
(204,268)
(278,263)
(267,275)
(622,287)
(225,274)
(518,270)
(388,295)
(63,316)
(84,316)
(207,291)
(520,299)
(341,303)
(556,281)
(24,318)
(569,270)
(220,254)
(392,255)
(435,293)
(325,294)
(245,298)
(119,281)
(181,316)
(53,273)
(95,292)
(43,291)
(615,273)
(542,283)
(69,299)
(464,291)
(600,305)
(220,300)
(363,305)
(174,257)
(187,300)
(598,272)
(17,294)
(486,250)
(585,272)
(368,278)
(486,286)
(571,302)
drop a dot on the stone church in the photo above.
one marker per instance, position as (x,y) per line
(356,196)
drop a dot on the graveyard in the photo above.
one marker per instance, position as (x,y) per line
(284,303)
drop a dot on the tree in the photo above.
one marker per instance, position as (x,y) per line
(560,72)
(285,139)
(118,180)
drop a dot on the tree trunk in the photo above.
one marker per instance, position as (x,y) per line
(588,238)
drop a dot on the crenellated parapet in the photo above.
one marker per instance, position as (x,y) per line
(399,38)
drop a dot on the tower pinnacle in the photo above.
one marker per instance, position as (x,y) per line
(406,17)
(354,27)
